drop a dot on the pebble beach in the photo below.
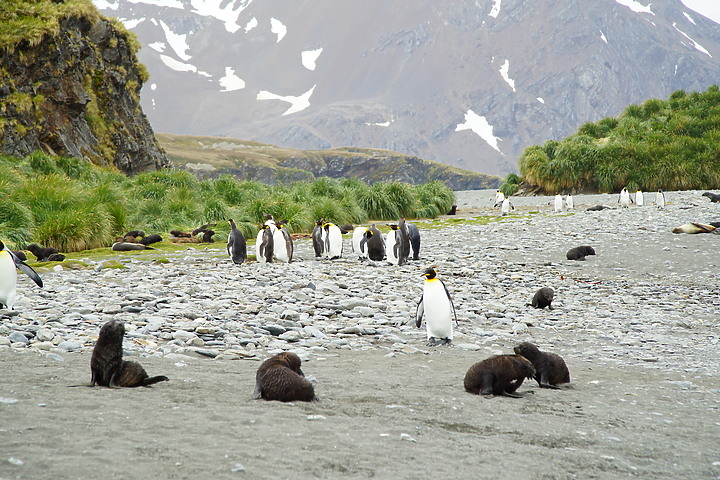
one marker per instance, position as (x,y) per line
(637,322)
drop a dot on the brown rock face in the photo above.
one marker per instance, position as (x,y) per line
(76,94)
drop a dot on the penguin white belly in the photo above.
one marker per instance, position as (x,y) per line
(390,241)
(359,247)
(335,238)
(506,207)
(280,246)
(558,204)
(8,280)
(639,200)
(438,310)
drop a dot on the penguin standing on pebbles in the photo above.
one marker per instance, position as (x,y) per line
(624,199)
(499,197)
(9,262)
(317,238)
(438,308)
(264,245)
(375,244)
(569,202)
(639,200)
(506,207)
(391,244)
(332,236)
(660,199)
(282,242)
(359,242)
(559,204)
(236,246)
(414,240)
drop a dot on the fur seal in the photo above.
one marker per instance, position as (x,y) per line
(20,254)
(42,253)
(543,298)
(695,227)
(55,257)
(498,375)
(579,253)
(127,247)
(107,366)
(180,234)
(714,197)
(135,233)
(280,378)
(550,368)
(596,208)
(452,211)
(150,239)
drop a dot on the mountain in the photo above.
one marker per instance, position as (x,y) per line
(466,83)
(214,156)
(70,85)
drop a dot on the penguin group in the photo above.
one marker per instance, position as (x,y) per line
(9,265)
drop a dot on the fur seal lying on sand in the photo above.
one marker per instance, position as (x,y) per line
(543,298)
(150,239)
(498,375)
(596,208)
(694,227)
(127,247)
(714,197)
(579,253)
(280,378)
(40,252)
(550,368)
(107,366)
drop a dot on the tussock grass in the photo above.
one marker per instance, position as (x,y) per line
(669,144)
(73,205)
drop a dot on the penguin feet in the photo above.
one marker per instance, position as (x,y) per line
(432,341)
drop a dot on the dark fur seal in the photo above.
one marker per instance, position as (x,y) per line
(128,247)
(180,234)
(40,252)
(20,254)
(499,375)
(280,378)
(714,197)
(596,208)
(550,368)
(579,253)
(107,366)
(150,239)
(452,211)
(135,233)
(543,298)
(56,257)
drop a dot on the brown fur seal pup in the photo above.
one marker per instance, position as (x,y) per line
(452,211)
(596,208)
(135,233)
(150,239)
(543,298)
(714,197)
(180,233)
(550,368)
(280,378)
(127,247)
(20,254)
(41,253)
(499,375)
(579,253)
(695,228)
(107,366)
(56,257)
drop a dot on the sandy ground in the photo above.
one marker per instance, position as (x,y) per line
(387,417)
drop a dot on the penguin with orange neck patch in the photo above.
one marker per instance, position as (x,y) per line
(438,308)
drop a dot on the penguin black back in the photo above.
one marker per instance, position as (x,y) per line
(236,246)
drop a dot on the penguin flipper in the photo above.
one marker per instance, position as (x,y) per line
(419,312)
(26,269)
(363,244)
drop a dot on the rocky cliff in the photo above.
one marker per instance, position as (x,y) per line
(75,92)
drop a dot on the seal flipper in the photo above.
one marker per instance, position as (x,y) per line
(159,378)
(544,382)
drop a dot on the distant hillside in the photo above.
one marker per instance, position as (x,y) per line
(247,160)
(669,144)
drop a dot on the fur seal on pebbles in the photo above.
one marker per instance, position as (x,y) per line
(596,208)
(695,227)
(543,298)
(714,197)
(579,253)
(550,368)
(498,375)
(280,378)
(107,366)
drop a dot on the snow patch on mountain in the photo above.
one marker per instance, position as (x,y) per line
(230,81)
(309,57)
(178,42)
(104,4)
(690,19)
(251,24)
(636,7)
(278,28)
(481,127)
(297,104)
(603,37)
(504,73)
(158,46)
(495,11)
(693,42)
(228,15)
(131,23)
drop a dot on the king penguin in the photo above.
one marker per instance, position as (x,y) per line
(391,244)
(639,200)
(359,242)
(660,199)
(414,233)
(317,238)
(569,202)
(403,242)
(282,242)
(375,244)
(438,308)
(332,237)
(9,262)
(559,204)
(499,197)
(624,199)
(236,246)
(264,245)
(506,207)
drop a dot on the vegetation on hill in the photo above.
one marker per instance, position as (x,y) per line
(73,205)
(669,144)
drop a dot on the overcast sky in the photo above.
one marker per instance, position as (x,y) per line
(709,8)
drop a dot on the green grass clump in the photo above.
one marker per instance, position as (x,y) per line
(73,205)
(669,144)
